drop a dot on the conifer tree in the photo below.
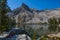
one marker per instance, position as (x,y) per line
(4,20)
(53,24)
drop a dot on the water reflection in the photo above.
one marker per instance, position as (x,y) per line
(39,28)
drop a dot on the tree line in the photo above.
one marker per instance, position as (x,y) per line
(6,23)
(54,24)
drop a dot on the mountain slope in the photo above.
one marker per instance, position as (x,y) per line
(28,15)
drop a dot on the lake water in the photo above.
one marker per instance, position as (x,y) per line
(33,26)
(41,29)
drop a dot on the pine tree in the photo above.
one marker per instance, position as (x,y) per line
(4,20)
(59,23)
(53,24)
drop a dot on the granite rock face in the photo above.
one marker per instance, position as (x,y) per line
(28,15)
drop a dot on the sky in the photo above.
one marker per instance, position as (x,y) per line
(37,4)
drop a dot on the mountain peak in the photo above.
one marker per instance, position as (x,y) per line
(24,6)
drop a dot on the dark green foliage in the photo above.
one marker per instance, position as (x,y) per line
(53,24)
(59,20)
(5,22)
(59,23)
